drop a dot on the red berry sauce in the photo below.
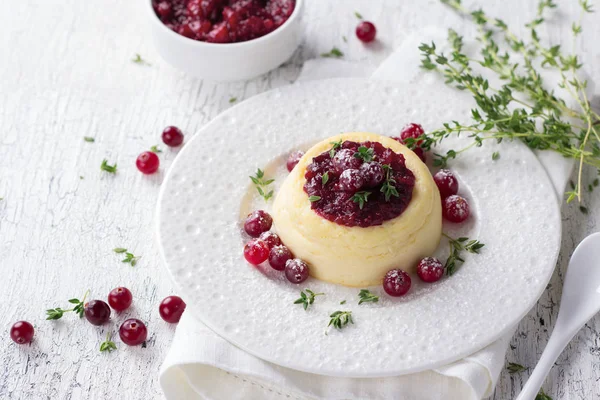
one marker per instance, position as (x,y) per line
(348,175)
(223,21)
(430,269)
(455,209)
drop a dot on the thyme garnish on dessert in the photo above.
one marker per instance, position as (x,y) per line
(365,153)
(457,246)
(325,178)
(513,368)
(312,199)
(57,313)
(361,198)
(367,297)
(335,146)
(108,345)
(108,168)
(261,184)
(340,319)
(306,299)
(521,107)
(389,185)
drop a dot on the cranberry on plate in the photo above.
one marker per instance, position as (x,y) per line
(147,162)
(120,298)
(171,309)
(293,159)
(133,332)
(396,282)
(411,130)
(172,136)
(270,238)
(96,312)
(296,270)
(21,332)
(257,222)
(430,269)
(279,256)
(366,31)
(455,208)
(256,251)
(446,182)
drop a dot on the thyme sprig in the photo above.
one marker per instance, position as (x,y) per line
(107,167)
(334,146)
(389,184)
(543,120)
(57,313)
(361,198)
(307,298)
(262,185)
(340,319)
(366,296)
(514,368)
(108,345)
(457,246)
(129,257)
(365,153)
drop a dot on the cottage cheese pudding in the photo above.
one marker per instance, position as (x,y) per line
(356,206)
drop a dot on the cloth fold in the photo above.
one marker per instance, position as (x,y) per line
(202,365)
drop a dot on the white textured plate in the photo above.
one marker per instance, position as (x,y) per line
(515,215)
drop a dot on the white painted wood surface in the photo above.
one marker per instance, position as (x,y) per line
(65,73)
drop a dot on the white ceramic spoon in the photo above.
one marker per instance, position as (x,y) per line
(579,303)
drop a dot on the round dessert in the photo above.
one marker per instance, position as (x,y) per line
(356,206)
(223,21)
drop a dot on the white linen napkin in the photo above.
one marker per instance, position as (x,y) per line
(202,365)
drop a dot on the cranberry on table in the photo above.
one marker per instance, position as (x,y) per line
(133,332)
(256,251)
(446,182)
(296,270)
(373,173)
(172,136)
(420,153)
(293,159)
(366,31)
(455,208)
(120,298)
(344,159)
(171,309)
(258,222)
(430,269)
(279,256)
(21,332)
(96,312)
(411,130)
(351,180)
(147,162)
(270,238)
(396,282)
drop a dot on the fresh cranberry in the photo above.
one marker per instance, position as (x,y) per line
(430,269)
(446,182)
(133,332)
(293,159)
(256,251)
(366,31)
(420,153)
(172,136)
(296,270)
(164,10)
(96,312)
(373,173)
(21,332)
(120,298)
(147,162)
(278,257)
(344,159)
(171,308)
(455,208)
(187,31)
(257,222)
(351,180)
(396,282)
(412,130)
(270,238)
(219,33)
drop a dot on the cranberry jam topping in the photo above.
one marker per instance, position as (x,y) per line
(223,21)
(363,184)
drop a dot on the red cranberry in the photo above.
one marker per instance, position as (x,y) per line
(446,182)
(21,332)
(96,312)
(186,30)
(373,173)
(256,251)
(296,270)
(344,159)
(120,298)
(133,332)
(420,153)
(200,28)
(366,31)
(270,238)
(455,208)
(257,222)
(430,269)
(219,33)
(147,162)
(278,257)
(172,136)
(396,282)
(163,9)
(171,308)
(351,180)
(194,9)
(293,159)
(411,130)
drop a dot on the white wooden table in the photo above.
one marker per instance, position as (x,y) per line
(66,73)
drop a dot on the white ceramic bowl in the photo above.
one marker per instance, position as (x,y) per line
(227,61)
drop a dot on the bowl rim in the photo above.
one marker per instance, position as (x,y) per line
(155,20)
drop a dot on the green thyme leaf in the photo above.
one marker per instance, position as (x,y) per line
(513,368)
(107,345)
(358,15)
(108,168)
(312,199)
(119,250)
(325,178)
(340,319)
(495,156)
(155,149)
(367,297)
(308,298)
(89,139)
(334,53)
(139,60)
(361,198)
(262,184)
(233,100)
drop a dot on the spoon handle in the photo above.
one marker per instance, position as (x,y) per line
(558,341)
